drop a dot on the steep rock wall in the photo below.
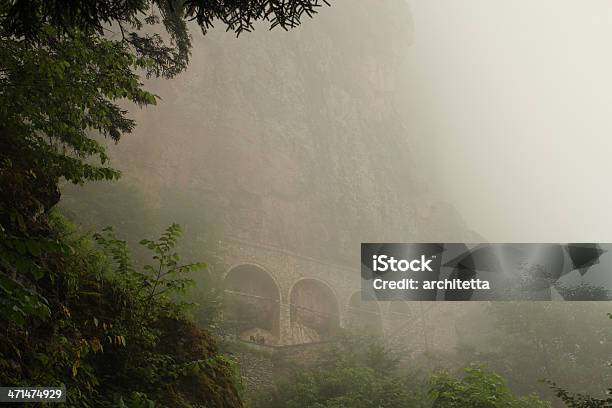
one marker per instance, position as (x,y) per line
(295,136)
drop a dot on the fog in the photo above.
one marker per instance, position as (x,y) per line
(509,103)
(503,108)
(382,121)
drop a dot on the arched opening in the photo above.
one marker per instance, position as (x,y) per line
(251,304)
(314,311)
(364,314)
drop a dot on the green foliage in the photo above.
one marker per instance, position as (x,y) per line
(359,349)
(115,334)
(55,93)
(62,74)
(166,275)
(356,371)
(478,389)
(155,282)
(532,341)
(75,311)
(360,371)
(124,205)
(66,66)
(359,387)
(17,256)
(26,17)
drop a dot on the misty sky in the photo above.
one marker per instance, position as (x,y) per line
(510,103)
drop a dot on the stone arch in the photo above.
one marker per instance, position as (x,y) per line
(364,314)
(251,304)
(314,311)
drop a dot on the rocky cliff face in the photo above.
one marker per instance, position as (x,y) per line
(295,136)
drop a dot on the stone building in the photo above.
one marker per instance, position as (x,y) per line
(292,147)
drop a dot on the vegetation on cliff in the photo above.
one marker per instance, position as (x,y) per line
(73,308)
(76,310)
(112,333)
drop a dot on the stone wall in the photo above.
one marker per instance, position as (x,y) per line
(294,140)
(261,365)
(403,323)
(256,365)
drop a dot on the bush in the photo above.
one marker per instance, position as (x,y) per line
(356,387)
(357,371)
(478,389)
(113,334)
(361,372)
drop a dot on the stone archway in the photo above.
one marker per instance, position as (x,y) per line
(314,311)
(251,304)
(364,314)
